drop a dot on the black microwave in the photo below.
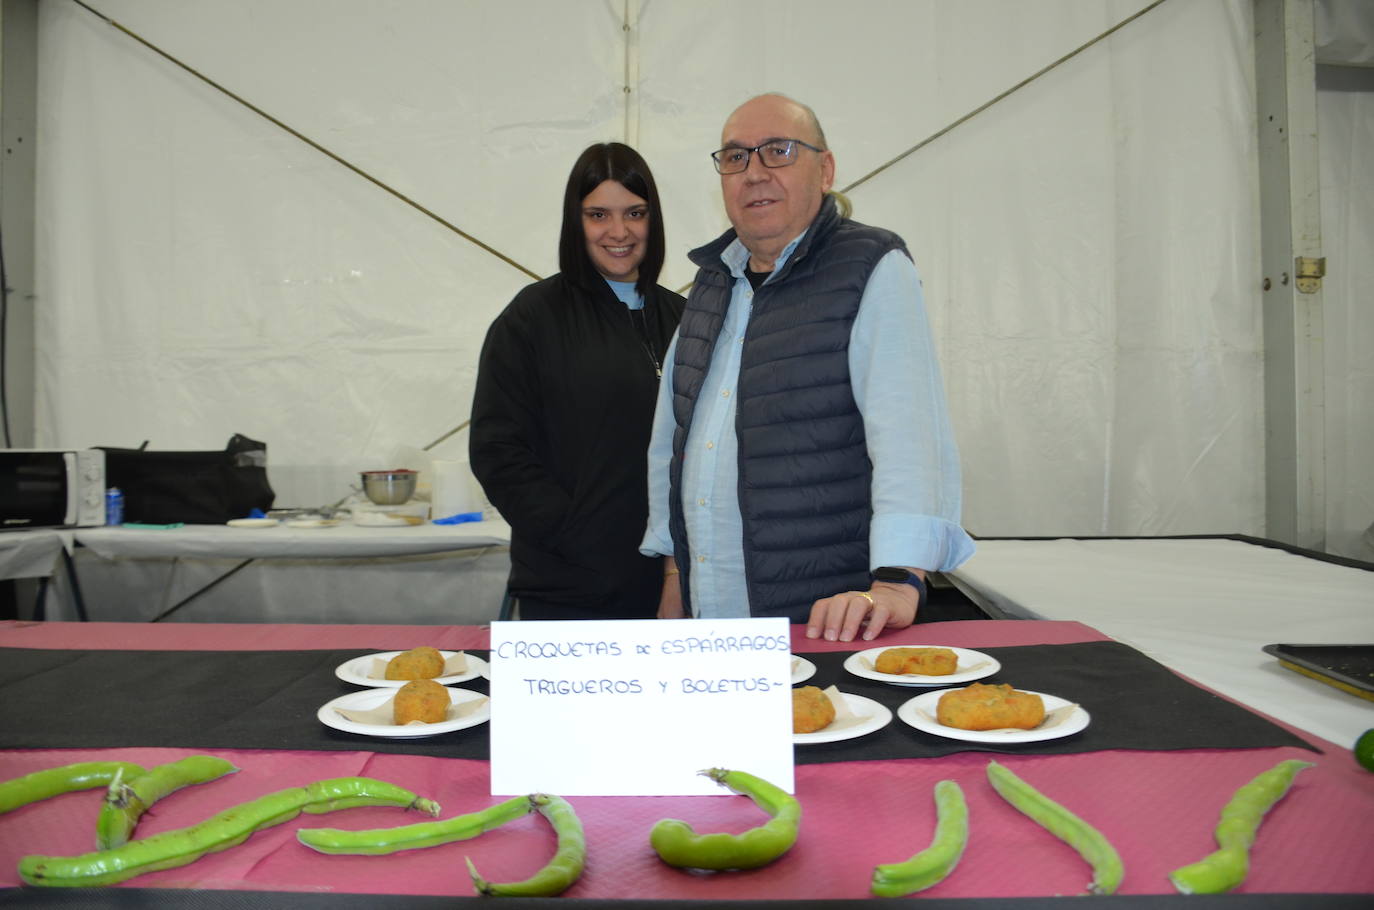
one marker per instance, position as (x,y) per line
(51,488)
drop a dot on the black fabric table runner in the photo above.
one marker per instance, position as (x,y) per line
(1134,703)
(193,699)
(269,699)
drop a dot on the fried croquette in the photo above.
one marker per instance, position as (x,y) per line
(420,699)
(812,710)
(980,707)
(417,663)
(922,661)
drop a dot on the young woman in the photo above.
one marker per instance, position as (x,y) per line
(565,399)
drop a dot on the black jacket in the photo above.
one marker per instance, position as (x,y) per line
(560,429)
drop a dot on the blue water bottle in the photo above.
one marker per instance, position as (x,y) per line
(114,506)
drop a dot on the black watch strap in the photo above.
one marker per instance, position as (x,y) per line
(899,575)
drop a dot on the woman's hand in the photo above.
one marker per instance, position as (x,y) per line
(670,601)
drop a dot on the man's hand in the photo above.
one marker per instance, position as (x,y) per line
(884,606)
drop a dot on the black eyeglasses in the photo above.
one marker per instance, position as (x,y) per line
(773,153)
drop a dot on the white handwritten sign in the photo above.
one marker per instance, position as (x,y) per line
(638,707)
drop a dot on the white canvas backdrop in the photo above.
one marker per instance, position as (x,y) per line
(1089,246)
(1345,111)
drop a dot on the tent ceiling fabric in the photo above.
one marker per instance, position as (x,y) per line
(1089,246)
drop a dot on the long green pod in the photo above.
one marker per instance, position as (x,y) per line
(678,845)
(934,863)
(1235,832)
(1063,824)
(219,832)
(559,874)
(129,797)
(41,785)
(380,841)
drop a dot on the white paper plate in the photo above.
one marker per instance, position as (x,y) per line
(383,520)
(879,716)
(970,665)
(802,669)
(372,698)
(252,522)
(919,712)
(356,670)
(312,522)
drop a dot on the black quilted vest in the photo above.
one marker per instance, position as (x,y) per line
(804,472)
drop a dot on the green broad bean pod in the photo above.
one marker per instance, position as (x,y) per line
(559,874)
(41,785)
(1063,824)
(129,797)
(678,845)
(380,841)
(1235,832)
(934,863)
(219,832)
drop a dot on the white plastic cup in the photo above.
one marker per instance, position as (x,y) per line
(453,490)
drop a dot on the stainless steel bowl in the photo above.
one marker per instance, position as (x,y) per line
(389,488)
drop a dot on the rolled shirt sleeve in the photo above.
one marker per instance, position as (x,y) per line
(658,541)
(897,385)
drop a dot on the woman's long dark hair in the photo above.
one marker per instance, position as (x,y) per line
(599,163)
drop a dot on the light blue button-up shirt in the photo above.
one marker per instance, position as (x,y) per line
(897,385)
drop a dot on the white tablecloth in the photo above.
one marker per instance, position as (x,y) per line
(341,541)
(424,574)
(1204,608)
(30,554)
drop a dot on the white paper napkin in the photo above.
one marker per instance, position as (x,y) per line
(384,714)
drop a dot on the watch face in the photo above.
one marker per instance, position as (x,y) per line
(890,573)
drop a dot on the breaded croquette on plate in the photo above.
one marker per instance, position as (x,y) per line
(812,710)
(982,707)
(420,699)
(423,662)
(921,661)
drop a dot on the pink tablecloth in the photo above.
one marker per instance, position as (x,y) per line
(1158,808)
(125,636)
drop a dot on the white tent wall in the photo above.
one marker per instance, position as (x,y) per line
(1345,124)
(1347,153)
(206,273)
(1089,245)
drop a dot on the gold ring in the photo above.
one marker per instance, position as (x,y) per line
(865,595)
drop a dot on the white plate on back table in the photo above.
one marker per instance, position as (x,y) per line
(312,523)
(356,670)
(368,699)
(969,665)
(802,669)
(879,716)
(919,712)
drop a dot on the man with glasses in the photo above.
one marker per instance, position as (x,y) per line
(802,461)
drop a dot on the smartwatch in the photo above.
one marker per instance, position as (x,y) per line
(898,575)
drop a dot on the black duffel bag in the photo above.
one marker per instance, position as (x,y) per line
(206,488)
